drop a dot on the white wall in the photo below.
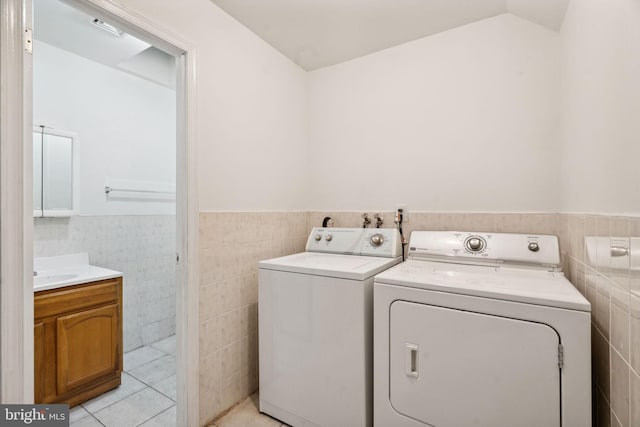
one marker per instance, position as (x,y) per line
(126,130)
(125,125)
(465,120)
(601,84)
(252,110)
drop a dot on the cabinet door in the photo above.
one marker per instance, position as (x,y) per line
(39,360)
(88,346)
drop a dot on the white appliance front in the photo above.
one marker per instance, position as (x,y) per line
(316,327)
(448,360)
(315,341)
(476,358)
(482,330)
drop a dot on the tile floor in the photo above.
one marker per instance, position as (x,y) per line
(246,414)
(146,397)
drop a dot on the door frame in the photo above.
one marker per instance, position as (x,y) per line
(16,214)
(16,245)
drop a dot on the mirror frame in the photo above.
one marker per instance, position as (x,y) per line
(47,213)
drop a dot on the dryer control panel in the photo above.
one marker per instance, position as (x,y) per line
(487,248)
(384,242)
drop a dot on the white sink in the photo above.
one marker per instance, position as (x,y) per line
(67,270)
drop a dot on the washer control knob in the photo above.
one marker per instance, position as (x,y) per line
(318,237)
(534,247)
(376,239)
(475,244)
(328,237)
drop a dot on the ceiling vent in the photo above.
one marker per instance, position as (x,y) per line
(107,27)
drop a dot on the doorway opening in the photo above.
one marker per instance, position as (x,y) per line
(18,294)
(104,144)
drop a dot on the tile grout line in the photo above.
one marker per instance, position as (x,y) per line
(117,401)
(614,415)
(136,392)
(149,385)
(612,348)
(122,398)
(140,380)
(75,407)
(157,415)
(96,418)
(132,394)
(146,363)
(155,389)
(630,371)
(149,361)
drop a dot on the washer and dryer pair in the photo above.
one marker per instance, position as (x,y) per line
(474,329)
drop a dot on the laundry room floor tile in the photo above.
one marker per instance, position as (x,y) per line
(246,414)
(168,418)
(140,356)
(168,345)
(128,386)
(77,413)
(89,421)
(135,409)
(156,370)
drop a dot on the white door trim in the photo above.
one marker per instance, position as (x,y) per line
(15,175)
(16,260)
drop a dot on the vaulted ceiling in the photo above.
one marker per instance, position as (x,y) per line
(318,33)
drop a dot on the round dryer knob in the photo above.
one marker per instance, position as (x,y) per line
(534,247)
(475,244)
(328,237)
(318,237)
(376,239)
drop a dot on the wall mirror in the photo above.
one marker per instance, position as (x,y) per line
(55,155)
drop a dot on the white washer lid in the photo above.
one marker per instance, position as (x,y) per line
(355,267)
(529,286)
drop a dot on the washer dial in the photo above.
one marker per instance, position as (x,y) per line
(376,240)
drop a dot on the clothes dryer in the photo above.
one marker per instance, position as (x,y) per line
(482,330)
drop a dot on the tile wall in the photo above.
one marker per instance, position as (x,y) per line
(231,244)
(541,223)
(612,285)
(141,247)
(229,254)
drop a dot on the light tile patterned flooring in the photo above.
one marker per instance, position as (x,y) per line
(146,397)
(246,414)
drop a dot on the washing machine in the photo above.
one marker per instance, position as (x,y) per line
(482,330)
(315,322)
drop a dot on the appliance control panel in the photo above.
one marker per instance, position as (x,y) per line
(384,242)
(495,248)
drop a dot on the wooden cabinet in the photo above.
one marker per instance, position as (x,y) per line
(77,341)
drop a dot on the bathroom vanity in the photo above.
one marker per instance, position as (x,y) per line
(77,333)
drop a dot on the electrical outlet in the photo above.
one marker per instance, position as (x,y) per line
(405,213)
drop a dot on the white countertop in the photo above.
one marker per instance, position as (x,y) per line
(67,270)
